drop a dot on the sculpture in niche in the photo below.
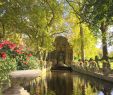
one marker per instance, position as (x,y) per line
(63,52)
(61,57)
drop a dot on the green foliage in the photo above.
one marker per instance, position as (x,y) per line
(95,12)
(33,63)
(89,44)
(89,39)
(6,66)
(23,58)
(36,20)
(97,15)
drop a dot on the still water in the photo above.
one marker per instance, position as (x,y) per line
(68,83)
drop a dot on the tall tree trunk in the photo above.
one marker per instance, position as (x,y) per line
(82,43)
(2,35)
(45,55)
(3,26)
(103,29)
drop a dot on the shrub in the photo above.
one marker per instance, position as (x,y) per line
(7,62)
(23,57)
(34,63)
(6,65)
(13,57)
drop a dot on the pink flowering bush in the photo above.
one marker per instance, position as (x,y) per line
(13,57)
(7,62)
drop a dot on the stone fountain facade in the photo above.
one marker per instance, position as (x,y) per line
(63,53)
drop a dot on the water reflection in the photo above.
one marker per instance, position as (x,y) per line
(91,86)
(67,83)
(61,84)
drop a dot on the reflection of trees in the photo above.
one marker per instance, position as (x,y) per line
(89,90)
(50,92)
(42,87)
(38,88)
(77,86)
(61,83)
(85,85)
(81,87)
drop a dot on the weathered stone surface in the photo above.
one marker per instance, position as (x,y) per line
(25,74)
(109,77)
(17,90)
(17,77)
(63,51)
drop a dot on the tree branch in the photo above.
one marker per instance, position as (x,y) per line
(53,14)
(58,33)
(76,13)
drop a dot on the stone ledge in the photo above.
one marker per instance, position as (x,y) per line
(25,74)
(108,78)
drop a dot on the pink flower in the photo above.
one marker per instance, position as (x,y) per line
(25,62)
(3,55)
(6,42)
(1,46)
(18,51)
(12,46)
(27,58)
(20,47)
(30,55)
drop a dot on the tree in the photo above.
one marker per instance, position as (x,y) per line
(75,8)
(75,38)
(98,15)
(35,20)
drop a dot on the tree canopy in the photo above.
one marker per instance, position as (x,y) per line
(34,23)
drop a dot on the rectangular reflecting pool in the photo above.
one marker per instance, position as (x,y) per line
(68,83)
